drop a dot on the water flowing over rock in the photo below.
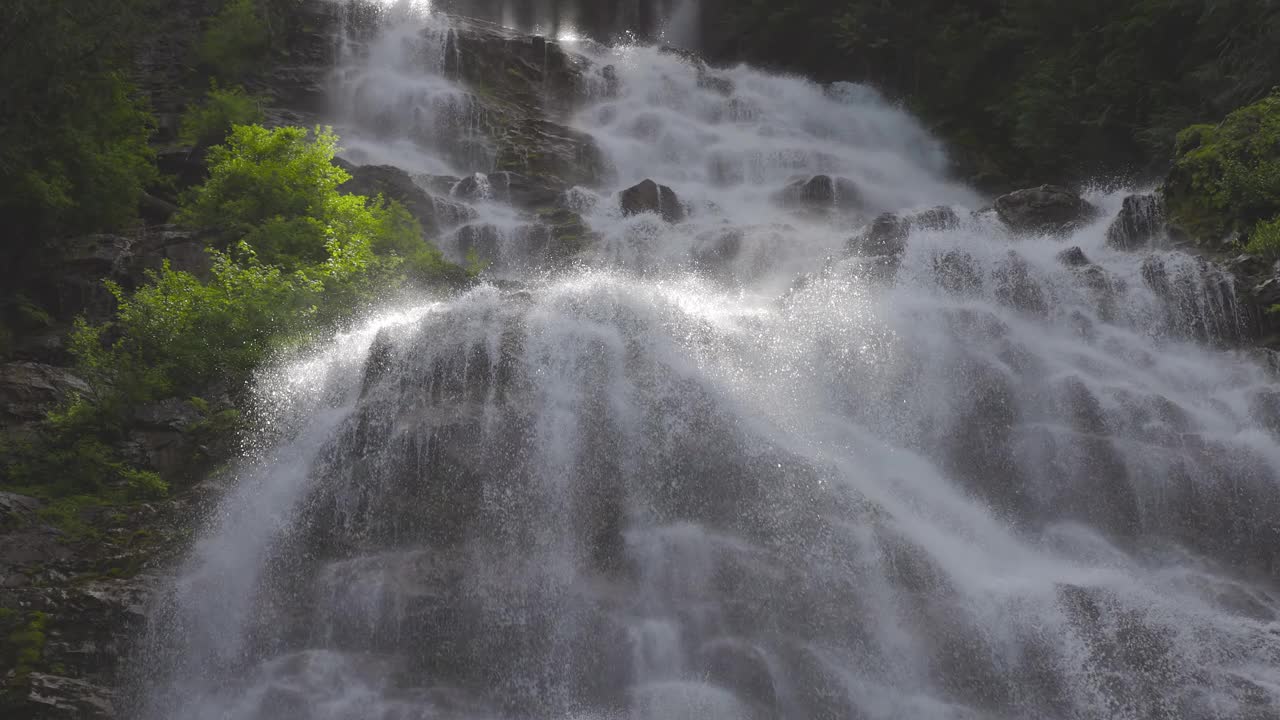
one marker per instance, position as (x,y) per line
(651,197)
(1141,220)
(733,464)
(1045,209)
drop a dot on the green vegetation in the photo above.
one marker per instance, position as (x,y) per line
(210,122)
(1226,177)
(73,134)
(297,258)
(1038,90)
(234,40)
(24,641)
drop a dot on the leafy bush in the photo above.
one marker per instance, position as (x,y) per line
(74,154)
(1226,177)
(235,40)
(1033,90)
(1265,239)
(210,122)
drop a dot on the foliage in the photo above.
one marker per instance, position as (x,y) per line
(234,40)
(1036,90)
(24,640)
(210,122)
(1226,177)
(73,135)
(1265,239)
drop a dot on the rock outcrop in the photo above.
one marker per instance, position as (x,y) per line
(1045,209)
(1140,221)
(650,197)
(821,193)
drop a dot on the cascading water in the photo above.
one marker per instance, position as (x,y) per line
(771,461)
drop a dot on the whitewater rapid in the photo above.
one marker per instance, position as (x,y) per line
(680,476)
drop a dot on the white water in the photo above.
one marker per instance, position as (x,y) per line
(781,482)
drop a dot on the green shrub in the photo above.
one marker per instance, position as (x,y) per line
(1265,239)
(210,122)
(234,41)
(265,176)
(1226,177)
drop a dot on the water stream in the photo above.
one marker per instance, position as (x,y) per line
(730,468)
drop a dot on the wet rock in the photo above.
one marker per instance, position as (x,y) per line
(1264,409)
(651,197)
(1017,288)
(482,239)
(1073,257)
(28,391)
(514,188)
(393,184)
(820,193)
(886,236)
(52,697)
(560,233)
(956,272)
(718,247)
(1141,220)
(936,219)
(1045,209)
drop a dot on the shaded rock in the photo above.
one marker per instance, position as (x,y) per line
(17,509)
(649,196)
(559,234)
(1046,209)
(821,192)
(514,188)
(184,250)
(886,236)
(1073,257)
(718,247)
(28,391)
(1016,288)
(957,272)
(1140,221)
(168,414)
(483,239)
(936,219)
(393,184)
(52,696)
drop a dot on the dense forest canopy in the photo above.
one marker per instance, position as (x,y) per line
(1033,90)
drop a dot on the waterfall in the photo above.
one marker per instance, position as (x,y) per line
(835,444)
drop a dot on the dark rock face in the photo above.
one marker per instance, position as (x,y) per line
(651,197)
(821,193)
(1046,209)
(1073,257)
(1141,220)
(936,219)
(29,390)
(887,236)
(393,184)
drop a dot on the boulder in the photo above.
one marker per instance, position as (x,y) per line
(651,197)
(1017,288)
(393,184)
(716,248)
(50,697)
(1045,209)
(1141,220)
(936,219)
(28,391)
(1073,257)
(559,234)
(957,273)
(821,193)
(886,236)
(515,188)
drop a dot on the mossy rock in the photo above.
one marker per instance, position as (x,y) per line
(1226,178)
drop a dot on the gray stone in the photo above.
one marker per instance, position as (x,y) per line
(1045,209)
(28,391)
(1140,221)
(649,196)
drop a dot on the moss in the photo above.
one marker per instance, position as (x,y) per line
(24,646)
(1226,178)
